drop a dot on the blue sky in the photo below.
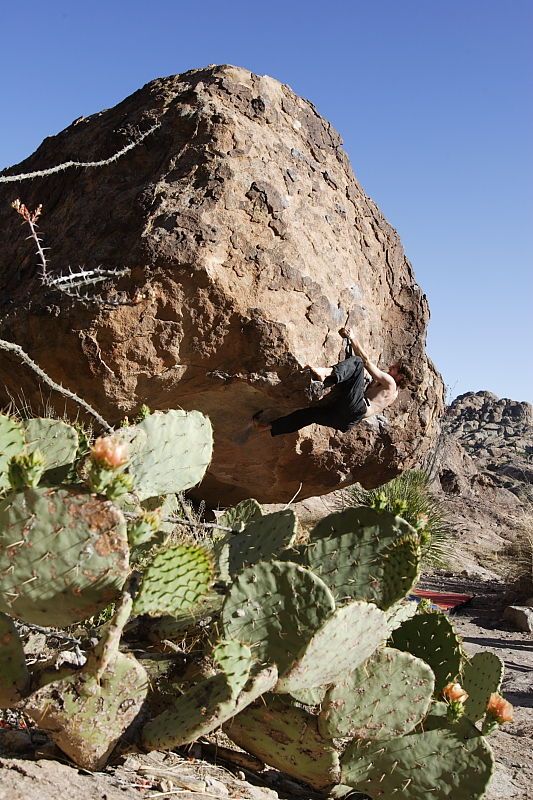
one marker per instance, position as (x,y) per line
(433,100)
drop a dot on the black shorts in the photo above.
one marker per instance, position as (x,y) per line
(341,409)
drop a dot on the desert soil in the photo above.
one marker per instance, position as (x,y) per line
(31,769)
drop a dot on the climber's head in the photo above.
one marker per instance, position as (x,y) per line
(402,374)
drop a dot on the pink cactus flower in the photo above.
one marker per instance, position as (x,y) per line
(500,709)
(109,452)
(454,692)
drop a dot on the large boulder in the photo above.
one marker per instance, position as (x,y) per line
(250,243)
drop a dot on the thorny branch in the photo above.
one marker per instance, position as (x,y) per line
(71,283)
(24,357)
(25,176)
(190,522)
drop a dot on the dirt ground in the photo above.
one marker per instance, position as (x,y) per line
(31,769)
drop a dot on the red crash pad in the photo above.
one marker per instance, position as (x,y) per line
(444,600)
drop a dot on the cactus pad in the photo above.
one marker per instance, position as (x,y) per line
(432,638)
(63,555)
(482,675)
(14,675)
(173,454)
(203,708)
(240,515)
(345,640)
(310,697)
(11,444)
(287,738)
(175,580)
(86,717)
(235,661)
(276,608)
(385,697)
(364,554)
(56,440)
(399,613)
(262,539)
(437,764)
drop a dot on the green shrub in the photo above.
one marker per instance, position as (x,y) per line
(410,496)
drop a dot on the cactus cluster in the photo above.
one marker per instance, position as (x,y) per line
(311,657)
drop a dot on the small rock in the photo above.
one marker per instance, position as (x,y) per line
(257,793)
(217,787)
(520,616)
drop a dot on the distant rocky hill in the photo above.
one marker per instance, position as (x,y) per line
(485,470)
(498,435)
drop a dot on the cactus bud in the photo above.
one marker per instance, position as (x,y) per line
(142,529)
(118,486)
(25,470)
(143,412)
(424,606)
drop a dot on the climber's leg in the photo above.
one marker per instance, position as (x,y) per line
(351,369)
(301,419)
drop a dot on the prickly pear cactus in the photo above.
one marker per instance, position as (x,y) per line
(439,764)
(11,444)
(149,522)
(432,638)
(387,696)
(173,628)
(482,675)
(63,555)
(14,675)
(173,453)
(261,539)
(240,515)
(276,608)
(364,554)
(175,580)
(203,708)
(166,506)
(401,569)
(287,738)
(343,642)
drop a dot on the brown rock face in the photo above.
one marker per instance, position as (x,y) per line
(250,243)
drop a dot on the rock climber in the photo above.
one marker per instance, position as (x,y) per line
(348,401)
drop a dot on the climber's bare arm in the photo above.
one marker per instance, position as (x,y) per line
(377,375)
